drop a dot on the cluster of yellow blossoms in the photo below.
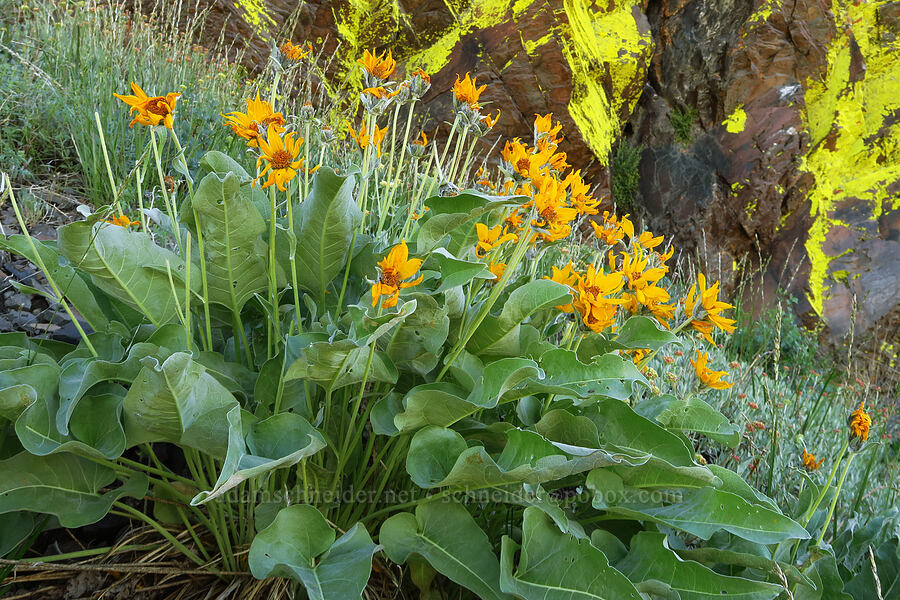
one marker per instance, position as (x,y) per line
(151,110)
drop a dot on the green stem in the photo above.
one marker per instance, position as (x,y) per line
(837,493)
(125,510)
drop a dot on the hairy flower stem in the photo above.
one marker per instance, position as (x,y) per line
(170,209)
(109,173)
(837,493)
(292,260)
(273,284)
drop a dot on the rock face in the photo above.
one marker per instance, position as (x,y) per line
(793,156)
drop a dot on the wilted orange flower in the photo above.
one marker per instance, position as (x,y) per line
(422,140)
(380,92)
(395,268)
(488,239)
(255,122)
(378,66)
(293,52)
(711,308)
(281,156)
(809,461)
(363,139)
(151,110)
(122,221)
(859,422)
(709,377)
(422,75)
(466,92)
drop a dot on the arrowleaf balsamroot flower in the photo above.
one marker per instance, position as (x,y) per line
(363,139)
(859,422)
(613,229)
(497,269)
(252,125)
(281,156)
(378,66)
(710,316)
(490,238)
(809,461)
(466,92)
(151,110)
(295,53)
(543,127)
(598,310)
(122,221)
(709,377)
(396,267)
(566,276)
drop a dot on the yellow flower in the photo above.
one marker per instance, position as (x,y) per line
(497,268)
(709,377)
(380,92)
(859,422)
(581,200)
(422,140)
(553,214)
(378,66)
(647,241)
(543,128)
(363,139)
(613,229)
(256,121)
(395,268)
(122,221)
(710,315)
(809,461)
(490,121)
(151,110)
(513,220)
(281,156)
(598,311)
(566,276)
(295,53)
(488,239)
(466,92)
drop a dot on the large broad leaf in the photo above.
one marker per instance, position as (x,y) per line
(339,364)
(324,225)
(279,441)
(67,280)
(96,429)
(128,266)
(499,334)
(691,414)
(417,342)
(734,483)
(14,528)
(446,535)
(440,457)
(825,582)
(455,216)
(63,485)
(300,544)
(887,566)
(232,229)
(556,566)
(178,401)
(651,559)
(454,271)
(702,512)
(776,569)
(637,332)
(81,374)
(618,424)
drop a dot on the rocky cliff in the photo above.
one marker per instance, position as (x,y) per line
(767,130)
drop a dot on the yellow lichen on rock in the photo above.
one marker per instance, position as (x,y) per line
(854,150)
(255,14)
(598,40)
(736,122)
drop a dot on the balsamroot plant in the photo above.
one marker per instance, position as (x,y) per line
(353,333)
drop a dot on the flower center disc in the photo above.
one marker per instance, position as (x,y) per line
(158,106)
(390,278)
(280,159)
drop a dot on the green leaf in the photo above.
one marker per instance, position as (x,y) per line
(702,512)
(417,343)
(96,428)
(454,271)
(324,224)
(440,403)
(300,544)
(499,334)
(67,280)
(556,566)
(81,374)
(735,484)
(62,485)
(692,414)
(440,457)
(718,556)
(640,332)
(279,441)
(234,250)
(651,559)
(178,401)
(455,216)
(15,527)
(618,424)
(887,564)
(128,266)
(41,374)
(15,399)
(446,535)
(501,376)
(824,582)
(339,364)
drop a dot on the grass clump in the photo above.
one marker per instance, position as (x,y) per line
(682,121)
(626,175)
